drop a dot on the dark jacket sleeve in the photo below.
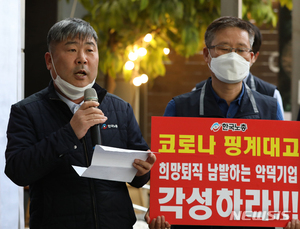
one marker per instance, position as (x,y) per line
(138,182)
(27,158)
(136,141)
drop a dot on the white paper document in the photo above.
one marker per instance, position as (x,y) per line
(110,163)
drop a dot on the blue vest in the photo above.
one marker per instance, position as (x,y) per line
(260,85)
(255,83)
(202,103)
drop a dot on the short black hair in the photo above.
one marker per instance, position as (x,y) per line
(227,22)
(257,38)
(70,27)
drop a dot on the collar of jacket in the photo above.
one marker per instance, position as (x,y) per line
(208,103)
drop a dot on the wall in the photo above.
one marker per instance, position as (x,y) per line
(11,89)
(40,16)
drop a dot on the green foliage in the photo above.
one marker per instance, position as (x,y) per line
(152,64)
(179,24)
(261,11)
(287,3)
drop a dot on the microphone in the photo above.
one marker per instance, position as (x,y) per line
(90,94)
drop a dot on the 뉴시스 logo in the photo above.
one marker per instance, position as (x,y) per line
(228,126)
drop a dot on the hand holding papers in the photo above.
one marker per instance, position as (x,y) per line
(112,163)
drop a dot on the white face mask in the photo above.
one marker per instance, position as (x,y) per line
(69,90)
(230,67)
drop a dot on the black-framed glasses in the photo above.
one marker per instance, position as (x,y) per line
(224,49)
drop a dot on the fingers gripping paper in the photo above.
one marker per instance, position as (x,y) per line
(110,163)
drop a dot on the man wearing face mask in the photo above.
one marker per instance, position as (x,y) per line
(49,132)
(254,82)
(228,53)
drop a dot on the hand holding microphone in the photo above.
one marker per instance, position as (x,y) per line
(88,115)
(90,94)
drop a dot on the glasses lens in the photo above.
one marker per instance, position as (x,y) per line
(224,49)
(244,52)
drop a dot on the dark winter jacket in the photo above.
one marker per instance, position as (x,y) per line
(41,148)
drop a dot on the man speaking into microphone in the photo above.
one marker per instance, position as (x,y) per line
(51,130)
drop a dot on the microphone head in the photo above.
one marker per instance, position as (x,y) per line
(90,94)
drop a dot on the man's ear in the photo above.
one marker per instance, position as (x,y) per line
(206,55)
(48,60)
(254,58)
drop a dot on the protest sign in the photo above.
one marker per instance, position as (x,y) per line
(234,172)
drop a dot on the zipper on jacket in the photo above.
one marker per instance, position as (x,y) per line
(91,186)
